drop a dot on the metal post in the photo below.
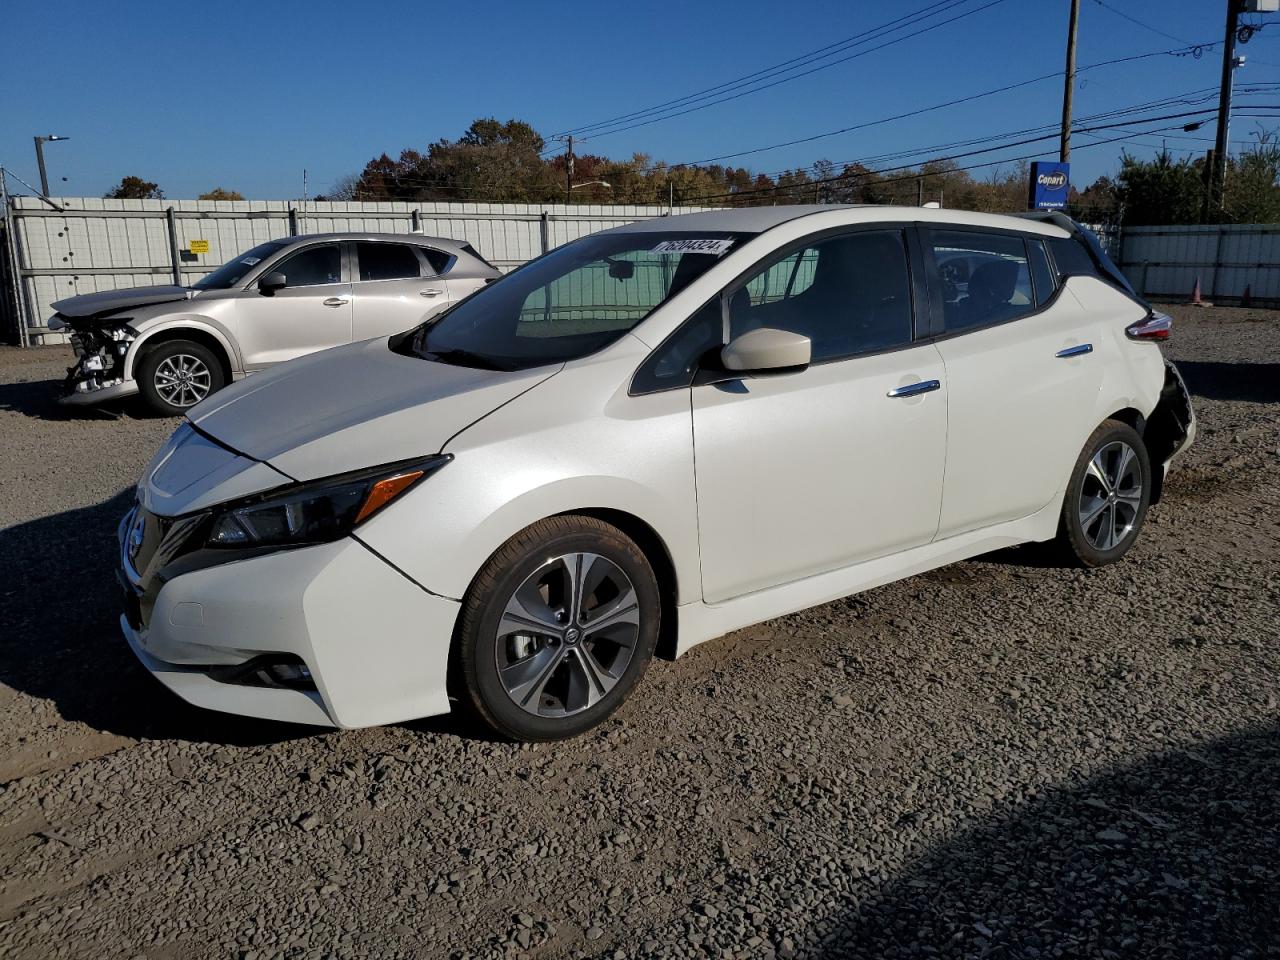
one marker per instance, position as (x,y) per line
(13,299)
(1217,182)
(544,229)
(174,257)
(1068,92)
(919,191)
(671,196)
(44,177)
(293,221)
(1217,263)
(415,221)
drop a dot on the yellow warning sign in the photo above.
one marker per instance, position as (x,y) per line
(199,246)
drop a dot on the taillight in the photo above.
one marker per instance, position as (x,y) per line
(1157,326)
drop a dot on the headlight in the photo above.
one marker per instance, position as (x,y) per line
(320,511)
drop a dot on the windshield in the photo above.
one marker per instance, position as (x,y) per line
(571,302)
(233,271)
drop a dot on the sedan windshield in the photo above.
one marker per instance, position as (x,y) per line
(570,303)
(231,272)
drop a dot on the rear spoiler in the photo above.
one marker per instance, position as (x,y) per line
(1106,266)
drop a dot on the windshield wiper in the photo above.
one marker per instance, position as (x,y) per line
(464,358)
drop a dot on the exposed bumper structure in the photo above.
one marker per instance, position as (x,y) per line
(375,644)
(80,398)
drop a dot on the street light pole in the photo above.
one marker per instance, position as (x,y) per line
(40,142)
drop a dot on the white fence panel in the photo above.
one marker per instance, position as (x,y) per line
(96,244)
(1229,261)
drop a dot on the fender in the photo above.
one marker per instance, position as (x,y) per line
(461,546)
(186,322)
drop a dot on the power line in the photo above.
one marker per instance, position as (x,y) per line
(923,110)
(1190,98)
(795,62)
(834,179)
(758,88)
(1140,23)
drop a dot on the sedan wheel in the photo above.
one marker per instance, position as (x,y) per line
(1107,497)
(567,635)
(1111,495)
(557,629)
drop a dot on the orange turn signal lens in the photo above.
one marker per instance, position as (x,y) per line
(384,491)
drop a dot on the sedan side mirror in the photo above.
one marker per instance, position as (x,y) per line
(271,282)
(767,350)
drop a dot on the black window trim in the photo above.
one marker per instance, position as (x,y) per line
(916,283)
(938,324)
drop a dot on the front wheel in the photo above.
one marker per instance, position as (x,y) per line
(557,629)
(176,375)
(1107,498)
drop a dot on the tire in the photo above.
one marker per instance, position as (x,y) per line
(161,375)
(529,673)
(1110,484)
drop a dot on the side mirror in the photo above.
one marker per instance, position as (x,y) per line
(767,350)
(272,282)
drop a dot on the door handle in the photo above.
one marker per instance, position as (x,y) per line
(1076,351)
(430,292)
(915,389)
(335,301)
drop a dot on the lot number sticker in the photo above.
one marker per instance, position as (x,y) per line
(713,247)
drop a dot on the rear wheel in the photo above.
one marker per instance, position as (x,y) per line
(557,629)
(176,375)
(1107,497)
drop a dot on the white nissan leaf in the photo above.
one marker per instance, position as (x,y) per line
(640,441)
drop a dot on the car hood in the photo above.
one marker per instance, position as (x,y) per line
(92,305)
(353,407)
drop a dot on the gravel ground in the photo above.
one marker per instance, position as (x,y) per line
(997,759)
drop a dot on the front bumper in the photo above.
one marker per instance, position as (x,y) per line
(376,644)
(80,398)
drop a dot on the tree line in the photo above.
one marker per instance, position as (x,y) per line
(511,162)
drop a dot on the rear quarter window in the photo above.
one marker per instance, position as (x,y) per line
(1071,258)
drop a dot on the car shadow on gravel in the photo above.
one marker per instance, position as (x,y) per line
(59,610)
(39,399)
(1175,856)
(1253,382)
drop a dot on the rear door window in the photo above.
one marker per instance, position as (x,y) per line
(387,261)
(986,278)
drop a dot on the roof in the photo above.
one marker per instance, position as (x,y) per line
(759,219)
(443,243)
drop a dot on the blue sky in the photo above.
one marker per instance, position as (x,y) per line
(246,95)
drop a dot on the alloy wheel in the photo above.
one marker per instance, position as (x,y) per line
(567,635)
(1111,495)
(183,380)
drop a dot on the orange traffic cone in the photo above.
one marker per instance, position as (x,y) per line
(1195,296)
(1247,299)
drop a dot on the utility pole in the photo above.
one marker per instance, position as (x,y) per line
(568,172)
(1218,175)
(1064,152)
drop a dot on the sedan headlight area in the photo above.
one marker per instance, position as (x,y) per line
(319,511)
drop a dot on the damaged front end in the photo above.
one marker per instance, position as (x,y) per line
(101,346)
